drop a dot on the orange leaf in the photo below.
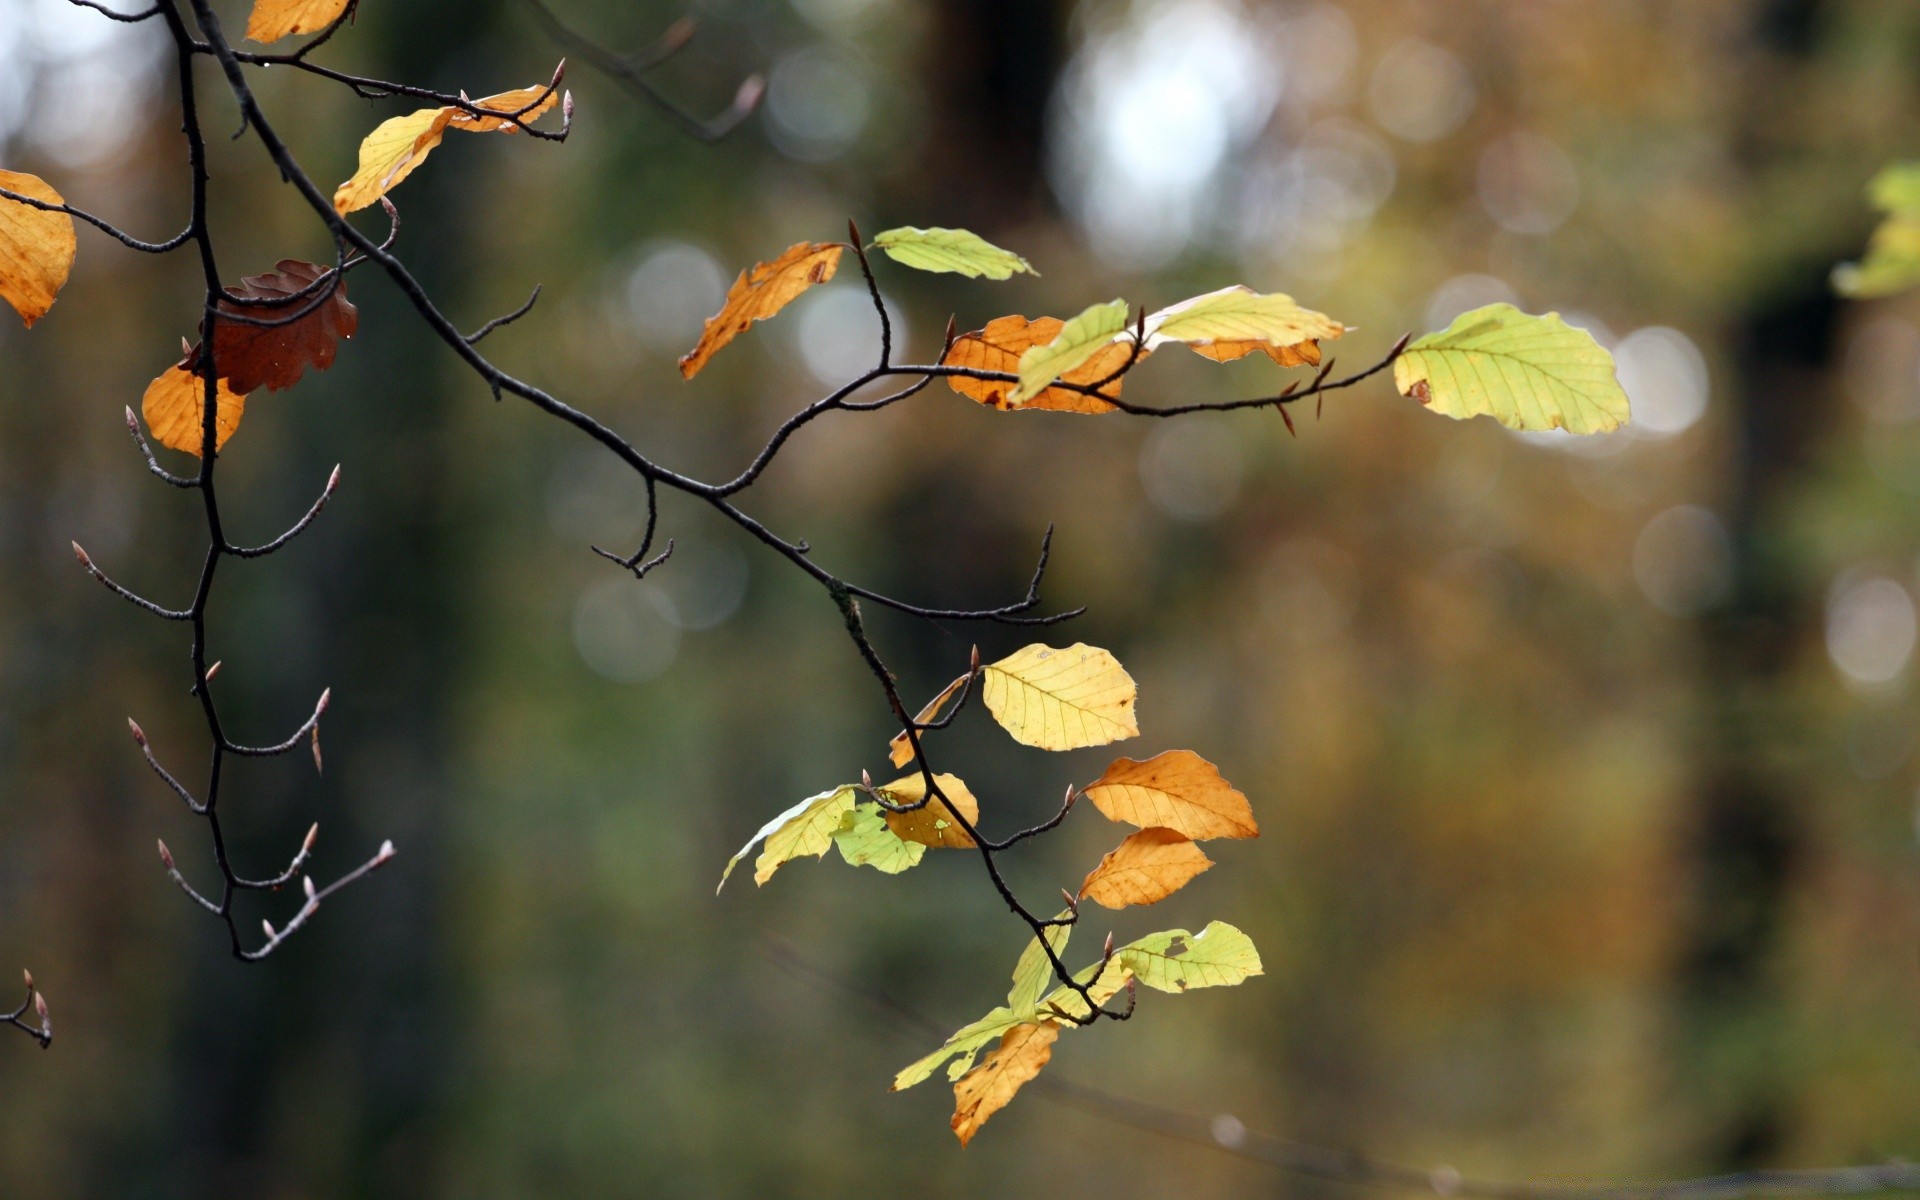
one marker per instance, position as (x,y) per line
(999,346)
(1145,869)
(1303,354)
(1177,790)
(389,154)
(987,1088)
(759,294)
(524,105)
(272,20)
(250,357)
(900,749)
(36,247)
(175,404)
(933,825)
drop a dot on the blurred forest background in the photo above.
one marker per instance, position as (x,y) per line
(1585,771)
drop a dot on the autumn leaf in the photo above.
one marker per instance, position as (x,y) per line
(806,828)
(999,346)
(250,357)
(1178,961)
(759,294)
(933,825)
(986,1089)
(1176,790)
(389,154)
(1033,972)
(1236,321)
(962,1047)
(175,405)
(1079,339)
(1892,261)
(866,840)
(522,106)
(36,247)
(952,250)
(272,20)
(1527,372)
(1145,869)
(1064,1002)
(1061,699)
(900,748)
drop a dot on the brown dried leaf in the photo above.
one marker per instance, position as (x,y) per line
(250,357)
(175,404)
(759,294)
(272,20)
(986,1089)
(999,346)
(1177,790)
(900,749)
(36,247)
(1145,869)
(933,825)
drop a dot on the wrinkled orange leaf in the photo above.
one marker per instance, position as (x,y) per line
(933,825)
(900,749)
(986,1089)
(999,346)
(250,357)
(1305,354)
(523,105)
(759,294)
(272,20)
(175,403)
(389,154)
(36,247)
(1177,790)
(1145,869)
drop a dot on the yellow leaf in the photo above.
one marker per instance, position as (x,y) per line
(1081,338)
(933,825)
(759,294)
(272,20)
(1235,321)
(999,346)
(176,403)
(1061,699)
(1145,869)
(1177,790)
(36,247)
(806,828)
(900,749)
(987,1088)
(389,154)
(524,105)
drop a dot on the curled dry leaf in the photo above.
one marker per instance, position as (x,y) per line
(933,825)
(175,405)
(36,247)
(900,749)
(760,293)
(250,357)
(987,1089)
(999,346)
(1145,869)
(398,145)
(1061,699)
(272,20)
(1176,790)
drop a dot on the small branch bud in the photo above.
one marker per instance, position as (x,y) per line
(333,480)
(133,423)
(40,1006)
(386,852)
(866,780)
(974,661)
(306,847)
(1106,951)
(29,977)
(214,670)
(1073,793)
(166,855)
(82,556)
(308,881)
(268,926)
(326,698)
(139,735)
(319,767)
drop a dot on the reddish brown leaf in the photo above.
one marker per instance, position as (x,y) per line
(250,357)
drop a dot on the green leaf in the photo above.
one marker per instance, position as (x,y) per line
(1896,189)
(965,1042)
(1240,314)
(1526,372)
(806,828)
(1078,340)
(1178,961)
(959,251)
(1891,264)
(866,840)
(1034,971)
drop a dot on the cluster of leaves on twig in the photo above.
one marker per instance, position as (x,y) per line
(1528,372)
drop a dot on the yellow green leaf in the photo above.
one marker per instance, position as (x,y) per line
(176,403)
(959,251)
(932,825)
(806,828)
(1113,976)
(1891,264)
(1237,320)
(1079,340)
(389,154)
(1061,699)
(965,1043)
(987,1089)
(1896,188)
(865,841)
(999,348)
(36,246)
(1145,869)
(1527,372)
(1034,970)
(1175,790)
(1178,961)
(272,20)
(760,293)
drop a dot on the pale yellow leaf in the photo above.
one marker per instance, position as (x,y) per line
(806,828)
(176,403)
(932,825)
(1061,699)
(1235,321)
(36,247)
(272,20)
(759,294)
(1145,869)
(986,1089)
(389,154)
(1176,790)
